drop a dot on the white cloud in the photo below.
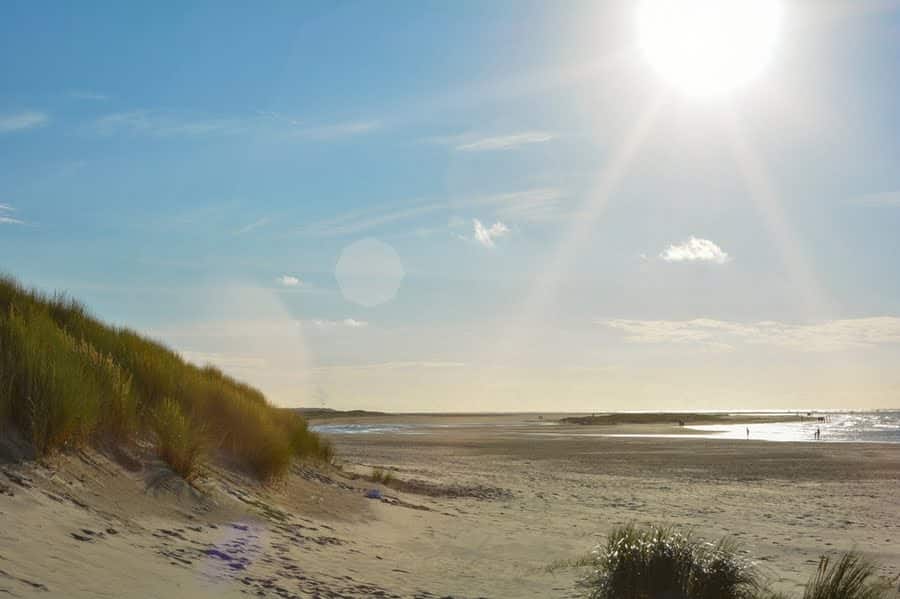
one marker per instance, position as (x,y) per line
(22,120)
(832,335)
(503,142)
(695,250)
(486,236)
(888,198)
(289,281)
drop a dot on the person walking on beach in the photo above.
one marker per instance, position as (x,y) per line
(818,433)
(748,432)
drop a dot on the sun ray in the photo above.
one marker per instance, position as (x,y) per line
(755,174)
(547,282)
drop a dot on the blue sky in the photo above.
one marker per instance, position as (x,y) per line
(459,206)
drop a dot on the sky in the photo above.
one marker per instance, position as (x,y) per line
(466,206)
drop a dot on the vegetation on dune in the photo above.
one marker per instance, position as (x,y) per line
(178,442)
(658,562)
(67,379)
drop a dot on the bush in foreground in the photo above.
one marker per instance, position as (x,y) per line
(658,562)
(662,563)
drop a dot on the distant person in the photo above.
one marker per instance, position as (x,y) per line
(748,432)
(818,433)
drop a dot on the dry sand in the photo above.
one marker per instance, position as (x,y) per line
(492,508)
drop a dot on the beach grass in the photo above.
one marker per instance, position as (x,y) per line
(179,442)
(659,561)
(381,475)
(67,379)
(850,576)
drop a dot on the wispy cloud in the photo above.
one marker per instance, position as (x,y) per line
(159,124)
(695,250)
(88,95)
(486,235)
(165,124)
(887,198)
(19,121)
(524,205)
(338,130)
(262,222)
(289,281)
(5,218)
(479,143)
(351,323)
(832,335)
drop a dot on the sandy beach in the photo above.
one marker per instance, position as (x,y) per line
(488,506)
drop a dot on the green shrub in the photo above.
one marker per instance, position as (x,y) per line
(178,442)
(850,577)
(657,562)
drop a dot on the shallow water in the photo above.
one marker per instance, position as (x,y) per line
(858,427)
(840,427)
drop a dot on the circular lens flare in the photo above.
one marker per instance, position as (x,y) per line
(708,47)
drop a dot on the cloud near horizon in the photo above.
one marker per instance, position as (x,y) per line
(347,322)
(695,250)
(832,335)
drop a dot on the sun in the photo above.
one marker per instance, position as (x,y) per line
(708,47)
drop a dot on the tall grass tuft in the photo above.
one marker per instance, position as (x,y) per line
(178,442)
(655,562)
(66,379)
(850,577)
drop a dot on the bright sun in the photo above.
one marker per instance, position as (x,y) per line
(708,47)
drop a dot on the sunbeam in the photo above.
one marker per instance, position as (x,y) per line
(547,282)
(813,299)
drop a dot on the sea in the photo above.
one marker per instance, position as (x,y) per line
(838,427)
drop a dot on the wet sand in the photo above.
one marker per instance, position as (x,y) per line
(483,506)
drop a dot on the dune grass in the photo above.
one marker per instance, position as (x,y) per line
(849,577)
(652,562)
(178,441)
(67,379)
(657,562)
(382,476)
